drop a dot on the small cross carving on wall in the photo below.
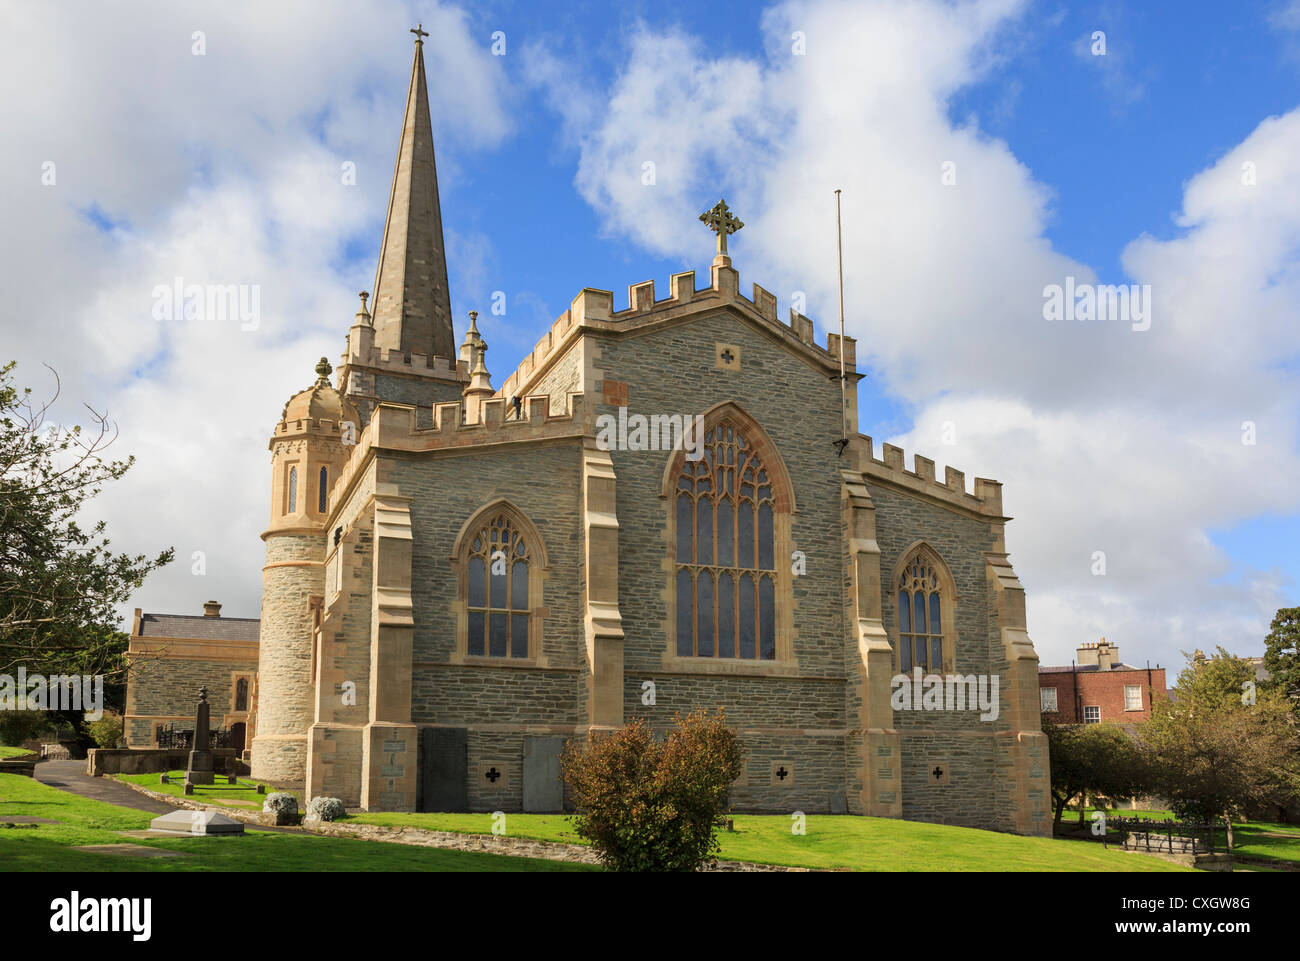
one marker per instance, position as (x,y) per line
(781,773)
(492,774)
(726,357)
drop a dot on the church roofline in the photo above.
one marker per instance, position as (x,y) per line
(593,309)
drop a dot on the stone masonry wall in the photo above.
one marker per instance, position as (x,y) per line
(166,689)
(543,482)
(562,379)
(959,739)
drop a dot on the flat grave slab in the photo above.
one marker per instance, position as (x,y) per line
(129,850)
(196,823)
(25,819)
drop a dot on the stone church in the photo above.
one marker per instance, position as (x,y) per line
(459,578)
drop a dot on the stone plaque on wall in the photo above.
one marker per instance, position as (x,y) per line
(444,769)
(543,788)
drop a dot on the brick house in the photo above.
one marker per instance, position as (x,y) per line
(459,578)
(1099,687)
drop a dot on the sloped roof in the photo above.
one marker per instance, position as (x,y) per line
(200,627)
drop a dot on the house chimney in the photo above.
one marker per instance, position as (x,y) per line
(211,609)
(1086,655)
(1106,655)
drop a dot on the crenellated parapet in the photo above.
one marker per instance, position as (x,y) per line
(985,499)
(362,355)
(593,310)
(316,427)
(395,427)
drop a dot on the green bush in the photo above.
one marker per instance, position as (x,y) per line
(648,805)
(107,731)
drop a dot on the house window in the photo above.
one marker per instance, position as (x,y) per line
(924,613)
(1047,699)
(497,597)
(1132,697)
(293,489)
(322,493)
(1091,715)
(725,552)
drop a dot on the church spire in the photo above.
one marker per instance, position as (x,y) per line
(412,307)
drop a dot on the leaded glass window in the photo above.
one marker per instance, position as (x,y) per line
(322,493)
(920,618)
(497,599)
(293,489)
(725,551)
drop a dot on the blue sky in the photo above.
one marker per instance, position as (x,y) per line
(1122,168)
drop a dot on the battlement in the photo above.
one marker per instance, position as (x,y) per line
(310,426)
(985,499)
(362,352)
(394,426)
(594,309)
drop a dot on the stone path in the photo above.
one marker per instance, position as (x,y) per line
(71,776)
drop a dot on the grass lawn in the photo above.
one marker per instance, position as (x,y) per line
(1256,839)
(242,794)
(49,847)
(840,842)
(1253,840)
(14,751)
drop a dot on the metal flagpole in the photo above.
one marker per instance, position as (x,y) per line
(839,254)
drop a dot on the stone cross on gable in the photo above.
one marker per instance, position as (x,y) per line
(722,222)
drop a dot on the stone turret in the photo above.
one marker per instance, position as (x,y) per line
(311,444)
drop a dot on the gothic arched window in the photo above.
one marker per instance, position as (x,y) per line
(293,489)
(924,608)
(497,597)
(241,694)
(725,580)
(322,493)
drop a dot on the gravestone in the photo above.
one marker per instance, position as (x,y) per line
(444,769)
(543,789)
(199,769)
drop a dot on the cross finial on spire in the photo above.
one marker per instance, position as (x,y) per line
(419,32)
(722,222)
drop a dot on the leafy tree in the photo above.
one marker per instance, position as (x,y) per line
(1092,760)
(60,584)
(649,805)
(1282,655)
(1216,754)
(1215,681)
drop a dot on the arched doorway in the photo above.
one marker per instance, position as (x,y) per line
(237,732)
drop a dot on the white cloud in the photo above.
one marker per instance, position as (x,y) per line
(225,169)
(1107,438)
